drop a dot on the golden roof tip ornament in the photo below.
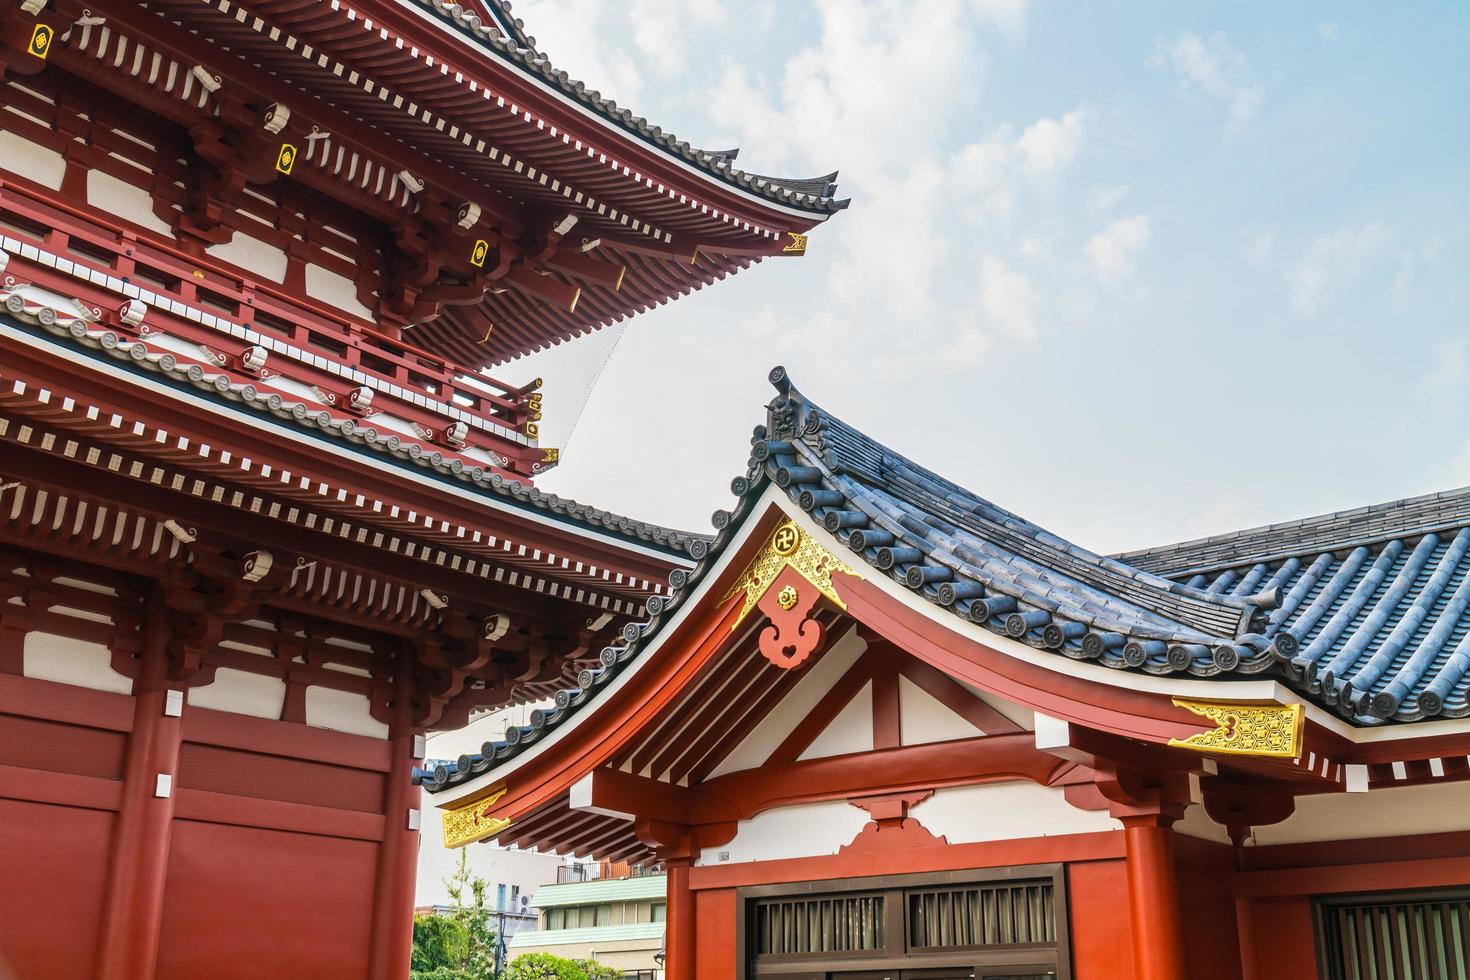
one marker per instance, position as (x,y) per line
(1270,731)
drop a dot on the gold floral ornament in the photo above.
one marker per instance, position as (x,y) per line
(789,547)
(472,822)
(1271,731)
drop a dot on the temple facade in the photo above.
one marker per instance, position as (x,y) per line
(885,728)
(265,517)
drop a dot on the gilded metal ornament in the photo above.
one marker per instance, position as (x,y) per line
(788,546)
(472,822)
(795,245)
(787,597)
(1272,731)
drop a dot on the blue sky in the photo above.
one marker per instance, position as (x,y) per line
(1137,272)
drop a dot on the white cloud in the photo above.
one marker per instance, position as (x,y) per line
(1107,198)
(1210,66)
(661,28)
(1448,382)
(1459,467)
(1008,15)
(1007,299)
(1259,244)
(1048,145)
(578,43)
(1112,250)
(1332,261)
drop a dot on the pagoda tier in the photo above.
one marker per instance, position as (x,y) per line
(400,161)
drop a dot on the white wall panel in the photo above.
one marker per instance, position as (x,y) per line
(241,692)
(811,830)
(342,711)
(31,160)
(924,719)
(49,657)
(1006,811)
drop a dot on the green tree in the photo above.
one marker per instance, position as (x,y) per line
(460,944)
(544,966)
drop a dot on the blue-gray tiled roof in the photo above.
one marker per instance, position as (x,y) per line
(1365,612)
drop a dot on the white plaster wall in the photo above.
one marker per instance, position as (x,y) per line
(850,731)
(923,718)
(107,193)
(327,287)
(32,160)
(48,657)
(342,711)
(252,255)
(1387,812)
(780,722)
(241,692)
(1197,823)
(810,830)
(1006,811)
(1018,713)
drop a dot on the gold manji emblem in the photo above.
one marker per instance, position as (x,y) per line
(41,41)
(478,253)
(796,246)
(1272,731)
(286,159)
(788,546)
(786,539)
(472,821)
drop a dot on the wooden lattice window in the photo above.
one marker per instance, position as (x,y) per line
(819,924)
(1407,936)
(992,922)
(982,915)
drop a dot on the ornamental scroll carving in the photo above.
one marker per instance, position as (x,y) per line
(472,822)
(1272,731)
(787,579)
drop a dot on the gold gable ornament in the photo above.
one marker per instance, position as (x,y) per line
(1268,731)
(788,546)
(796,244)
(472,822)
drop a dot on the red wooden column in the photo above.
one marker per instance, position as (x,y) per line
(392,943)
(132,915)
(1153,898)
(679,924)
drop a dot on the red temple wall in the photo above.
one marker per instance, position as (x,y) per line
(1102,944)
(53,864)
(1207,910)
(274,846)
(243,903)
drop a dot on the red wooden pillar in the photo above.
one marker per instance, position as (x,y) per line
(679,924)
(1153,898)
(392,942)
(132,915)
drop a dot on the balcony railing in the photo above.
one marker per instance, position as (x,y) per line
(217,304)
